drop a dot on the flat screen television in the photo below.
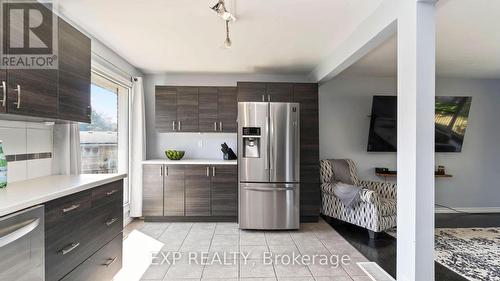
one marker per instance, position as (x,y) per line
(452,114)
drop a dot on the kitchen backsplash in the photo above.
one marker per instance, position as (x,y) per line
(196,145)
(28,148)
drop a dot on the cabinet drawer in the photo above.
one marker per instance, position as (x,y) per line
(105,194)
(66,208)
(103,265)
(109,222)
(69,244)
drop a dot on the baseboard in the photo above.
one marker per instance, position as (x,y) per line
(442,210)
(190,219)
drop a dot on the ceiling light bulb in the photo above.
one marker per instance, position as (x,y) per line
(228,43)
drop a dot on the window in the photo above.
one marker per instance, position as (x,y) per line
(104,142)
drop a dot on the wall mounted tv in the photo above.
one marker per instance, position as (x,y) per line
(451,120)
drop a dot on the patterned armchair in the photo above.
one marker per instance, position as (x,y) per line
(376,210)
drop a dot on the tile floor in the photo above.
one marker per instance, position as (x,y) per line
(216,239)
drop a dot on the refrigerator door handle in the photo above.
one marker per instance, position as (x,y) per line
(271,140)
(269,189)
(266,159)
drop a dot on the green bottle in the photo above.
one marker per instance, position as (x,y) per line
(3,168)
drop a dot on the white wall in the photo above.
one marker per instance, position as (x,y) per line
(20,138)
(196,145)
(345,103)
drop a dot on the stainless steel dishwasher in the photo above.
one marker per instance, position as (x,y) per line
(22,250)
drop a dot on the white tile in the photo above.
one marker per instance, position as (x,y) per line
(327,270)
(253,252)
(279,238)
(291,270)
(335,278)
(39,140)
(221,270)
(227,228)
(226,239)
(14,140)
(16,171)
(185,270)
(252,238)
(39,168)
(155,272)
(256,268)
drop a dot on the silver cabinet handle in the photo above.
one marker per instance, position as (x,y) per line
(220,126)
(109,193)
(215,126)
(110,262)
(4,93)
(208,171)
(69,248)
(166,171)
(213,171)
(71,208)
(15,232)
(111,221)
(173,125)
(161,171)
(268,97)
(263,98)
(178,125)
(18,103)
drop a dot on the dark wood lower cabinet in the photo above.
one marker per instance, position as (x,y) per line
(191,192)
(224,188)
(173,190)
(103,265)
(197,188)
(77,236)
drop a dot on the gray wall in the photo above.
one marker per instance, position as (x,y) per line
(345,103)
(196,145)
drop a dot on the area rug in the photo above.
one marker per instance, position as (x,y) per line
(474,253)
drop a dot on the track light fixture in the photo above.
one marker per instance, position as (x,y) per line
(228,42)
(220,9)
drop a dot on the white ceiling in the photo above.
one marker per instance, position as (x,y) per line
(468,43)
(185,36)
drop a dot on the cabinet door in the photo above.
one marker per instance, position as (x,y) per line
(251,91)
(224,188)
(187,109)
(197,185)
(166,109)
(173,191)
(208,109)
(74,74)
(32,92)
(3,90)
(279,92)
(228,109)
(152,194)
(310,199)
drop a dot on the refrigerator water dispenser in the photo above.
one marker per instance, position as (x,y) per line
(251,142)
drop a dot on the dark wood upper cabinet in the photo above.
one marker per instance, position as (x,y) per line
(187,109)
(166,108)
(224,188)
(208,109)
(279,92)
(62,93)
(227,109)
(74,74)
(32,92)
(3,90)
(173,190)
(251,91)
(197,188)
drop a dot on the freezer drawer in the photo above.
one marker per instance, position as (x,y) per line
(269,206)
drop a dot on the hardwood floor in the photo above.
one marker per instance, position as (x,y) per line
(383,249)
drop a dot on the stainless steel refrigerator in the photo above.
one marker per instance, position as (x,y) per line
(269,165)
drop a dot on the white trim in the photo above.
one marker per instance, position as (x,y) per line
(474,210)
(126,215)
(109,71)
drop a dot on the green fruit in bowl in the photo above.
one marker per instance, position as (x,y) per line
(174,154)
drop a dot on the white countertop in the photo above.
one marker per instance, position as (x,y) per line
(191,162)
(24,194)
